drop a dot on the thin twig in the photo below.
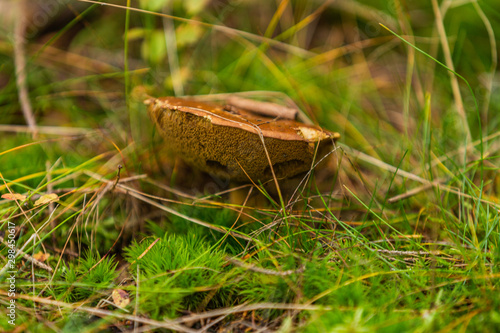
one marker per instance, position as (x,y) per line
(221,28)
(374,161)
(164,323)
(250,307)
(390,168)
(53,130)
(412,192)
(138,195)
(171,45)
(29,258)
(449,62)
(494,56)
(254,268)
(135,194)
(410,253)
(137,297)
(20,62)
(117,177)
(50,189)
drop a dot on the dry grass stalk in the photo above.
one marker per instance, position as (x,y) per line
(20,62)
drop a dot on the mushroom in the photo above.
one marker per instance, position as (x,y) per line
(231,143)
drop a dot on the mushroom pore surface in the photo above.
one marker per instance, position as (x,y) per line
(229,144)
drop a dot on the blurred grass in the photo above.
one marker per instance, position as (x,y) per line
(347,257)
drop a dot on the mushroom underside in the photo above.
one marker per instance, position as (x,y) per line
(232,152)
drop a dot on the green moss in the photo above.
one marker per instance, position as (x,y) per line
(175,273)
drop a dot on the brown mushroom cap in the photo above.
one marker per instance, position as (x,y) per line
(229,144)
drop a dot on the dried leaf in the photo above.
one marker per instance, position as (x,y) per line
(120,298)
(40,256)
(44,199)
(14,196)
